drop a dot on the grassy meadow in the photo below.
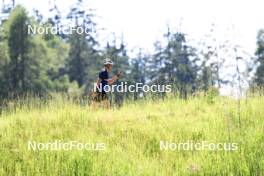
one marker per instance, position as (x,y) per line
(132,136)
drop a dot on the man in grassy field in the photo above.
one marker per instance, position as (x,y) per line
(103,80)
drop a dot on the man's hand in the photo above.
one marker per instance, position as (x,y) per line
(119,73)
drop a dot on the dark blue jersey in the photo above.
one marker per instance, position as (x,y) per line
(103,75)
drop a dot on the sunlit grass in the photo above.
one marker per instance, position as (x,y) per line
(132,135)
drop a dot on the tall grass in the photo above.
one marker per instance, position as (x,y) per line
(132,135)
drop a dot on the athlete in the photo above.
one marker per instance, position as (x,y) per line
(103,80)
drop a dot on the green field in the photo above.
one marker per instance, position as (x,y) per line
(132,136)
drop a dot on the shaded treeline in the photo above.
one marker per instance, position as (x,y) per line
(40,64)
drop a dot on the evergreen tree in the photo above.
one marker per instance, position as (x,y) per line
(84,60)
(119,55)
(212,61)
(4,59)
(176,64)
(139,67)
(259,75)
(121,63)
(19,43)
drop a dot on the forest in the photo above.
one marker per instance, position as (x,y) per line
(70,61)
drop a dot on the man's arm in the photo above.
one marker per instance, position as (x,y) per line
(98,82)
(114,78)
